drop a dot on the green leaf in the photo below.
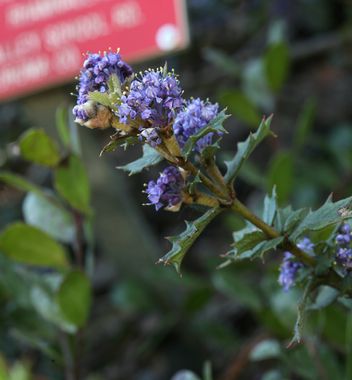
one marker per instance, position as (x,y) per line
(44,302)
(325,297)
(252,244)
(207,371)
(305,122)
(150,157)
(62,126)
(118,140)
(241,106)
(301,314)
(293,218)
(270,206)
(19,371)
(36,146)
(215,126)
(165,70)
(266,349)
(328,214)
(244,149)
(114,85)
(74,298)
(48,217)
(281,175)
(71,182)
(29,245)
(255,85)
(100,97)
(248,241)
(209,151)
(3,369)
(277,64)
(183,242)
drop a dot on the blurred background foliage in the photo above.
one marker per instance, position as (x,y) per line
(256,57)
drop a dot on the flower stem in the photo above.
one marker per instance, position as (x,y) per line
(214,172)
(201,199)
(206,181)
(241,209)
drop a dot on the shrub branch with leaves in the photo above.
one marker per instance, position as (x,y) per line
(149,109)
(46,259)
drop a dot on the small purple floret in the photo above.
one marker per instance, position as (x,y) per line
(94,76)
(166,190)
(290,266)
(344,246)
(197,115)
(153,100)
(306,245)
(288,271)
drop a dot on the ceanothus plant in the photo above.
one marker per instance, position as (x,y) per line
(149,109)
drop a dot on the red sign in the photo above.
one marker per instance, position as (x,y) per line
(42,41)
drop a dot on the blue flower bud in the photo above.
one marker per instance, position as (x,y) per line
(166,191)
(197,115)
(153,101)
(344,247)
(94,76)
(290,266)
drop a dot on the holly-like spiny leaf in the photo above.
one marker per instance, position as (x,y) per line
(301,314)
(114,85)
(101,98)
(183,242)
(329,214)
(150,157)
(244,149)
(294,218)
(118,140)
(215,126)
(251,243)
(270,206)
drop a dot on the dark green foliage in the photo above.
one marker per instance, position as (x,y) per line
(74,298)
(20,242)
(36,146)
(71,182)
(276,63)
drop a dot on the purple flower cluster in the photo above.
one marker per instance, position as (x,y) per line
(166,191)
(153,101)
(94,76)
(290,267)
(197,115)
(344,246)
